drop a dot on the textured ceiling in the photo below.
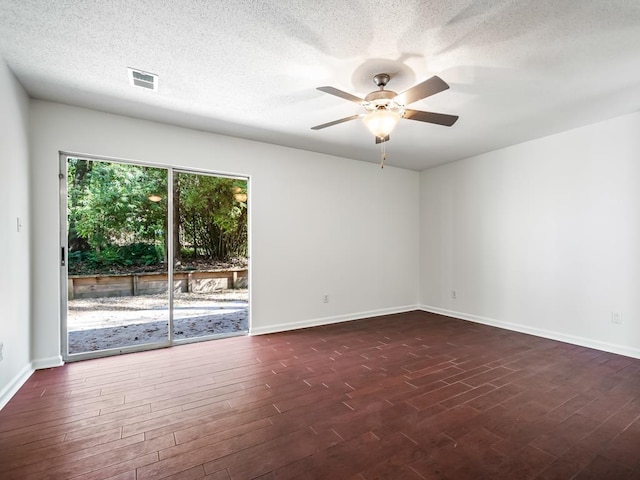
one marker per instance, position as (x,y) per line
(518,70)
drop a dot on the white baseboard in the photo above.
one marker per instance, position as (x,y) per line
(19,380)
(14,385)
(317,322)
(50,362)
(538,332)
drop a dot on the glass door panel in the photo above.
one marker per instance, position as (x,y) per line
(117,284)
(210,256)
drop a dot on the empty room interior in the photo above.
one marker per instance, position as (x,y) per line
(443,238)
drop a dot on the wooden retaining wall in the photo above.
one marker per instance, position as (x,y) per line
(200,281)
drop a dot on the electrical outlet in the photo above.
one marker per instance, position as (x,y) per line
(616,317)
(325,298)
(454,294)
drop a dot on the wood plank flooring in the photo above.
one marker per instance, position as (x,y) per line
(408,396)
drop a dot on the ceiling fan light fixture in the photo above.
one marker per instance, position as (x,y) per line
(381,122)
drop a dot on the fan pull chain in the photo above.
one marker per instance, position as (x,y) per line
(384,154)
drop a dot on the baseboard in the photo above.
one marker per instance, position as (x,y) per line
(538,332)
(317,322)
(50,362)
(14,385)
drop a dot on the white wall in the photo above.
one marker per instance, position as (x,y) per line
(14,202)
(541,237)
(319,224)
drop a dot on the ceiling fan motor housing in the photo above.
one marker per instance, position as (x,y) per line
(380,96)
(381,99)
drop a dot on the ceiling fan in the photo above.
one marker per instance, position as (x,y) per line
(385,108)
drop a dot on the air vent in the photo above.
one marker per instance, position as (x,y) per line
(139,78)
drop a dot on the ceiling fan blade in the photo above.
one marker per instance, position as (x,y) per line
(341,94)
(430,117)
(380,140)
(422,90)
(336,122)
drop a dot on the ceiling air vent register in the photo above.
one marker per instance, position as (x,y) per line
(140,78)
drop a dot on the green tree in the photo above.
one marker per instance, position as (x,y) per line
(118,211)
(109,203)
(213,215)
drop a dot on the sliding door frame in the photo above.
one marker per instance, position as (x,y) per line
(63,251)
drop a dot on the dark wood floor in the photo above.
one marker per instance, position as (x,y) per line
(409,396)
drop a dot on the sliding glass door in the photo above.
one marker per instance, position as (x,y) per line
(150,256)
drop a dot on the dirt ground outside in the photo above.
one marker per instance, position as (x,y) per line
(113,322)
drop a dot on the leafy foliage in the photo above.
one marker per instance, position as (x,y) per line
(109,203)
(114,257)
(212,221)
(118,216)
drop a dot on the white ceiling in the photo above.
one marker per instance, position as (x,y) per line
(518,70)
